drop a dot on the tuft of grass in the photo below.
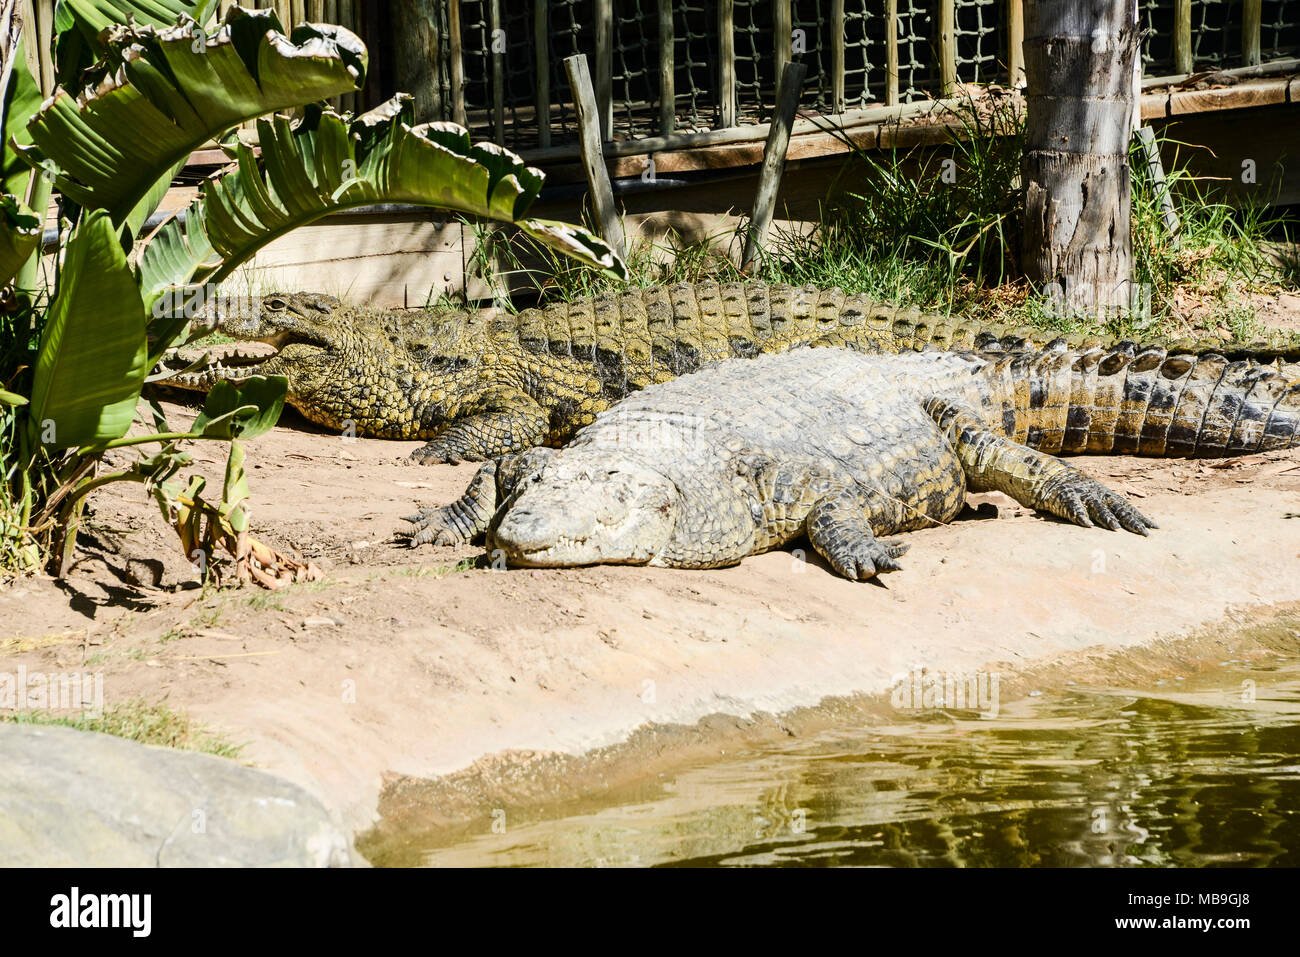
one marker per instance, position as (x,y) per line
(138,720)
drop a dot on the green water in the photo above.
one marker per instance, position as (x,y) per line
(1095,777)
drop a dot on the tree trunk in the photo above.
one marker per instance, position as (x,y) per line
(416,53)
(1079,62)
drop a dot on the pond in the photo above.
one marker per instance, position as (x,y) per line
(1193,773)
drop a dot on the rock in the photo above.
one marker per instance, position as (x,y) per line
(147,572)
(76,799)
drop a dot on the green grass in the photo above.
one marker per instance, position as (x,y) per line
(438,571)
(138,720)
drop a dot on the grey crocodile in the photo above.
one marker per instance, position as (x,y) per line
(848,448)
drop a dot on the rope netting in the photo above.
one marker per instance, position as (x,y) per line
(1279,29)
(1216,34)
(980,34)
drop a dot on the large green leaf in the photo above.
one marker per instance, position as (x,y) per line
(325,164)
(174,92)
(92,358)
(242,411)
(80,27)
(21,100)
(20,234)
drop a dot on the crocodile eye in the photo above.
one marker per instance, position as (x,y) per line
(277,304)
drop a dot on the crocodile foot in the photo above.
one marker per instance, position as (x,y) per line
(1085,501)
(859,556)
(437,526)
(436,453)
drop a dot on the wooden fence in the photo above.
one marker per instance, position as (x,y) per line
(694,70)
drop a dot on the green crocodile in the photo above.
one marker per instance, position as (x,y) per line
(478,387)
(848,448)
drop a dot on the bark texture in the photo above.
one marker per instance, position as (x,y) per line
(416,55)
(1079,58)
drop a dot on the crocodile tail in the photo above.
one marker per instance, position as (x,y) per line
(1126,401)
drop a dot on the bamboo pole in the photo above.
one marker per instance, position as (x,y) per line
(605,67)
(726,63)
(593,157)
(1252,15)
(1182,36)
(667,69)
(838,104)
(496,41)
(1016,42)
(948,45)
(542,51)
(774,152)
(1156,171)
(782,35)
(457,65)
(891,52)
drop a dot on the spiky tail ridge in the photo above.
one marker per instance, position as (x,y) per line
(711,320)
(1127,402)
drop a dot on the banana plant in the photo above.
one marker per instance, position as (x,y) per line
(162,78)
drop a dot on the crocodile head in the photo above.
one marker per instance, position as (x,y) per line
(301,336)
(377,372)
(577,510)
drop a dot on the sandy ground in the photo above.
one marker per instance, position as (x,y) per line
(407,662)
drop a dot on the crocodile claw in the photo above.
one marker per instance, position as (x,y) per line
(434,526)
(1087,502)
(867,558)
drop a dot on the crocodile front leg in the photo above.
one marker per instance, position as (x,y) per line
(464,519)
(502,422)
(839,527)
(468,517)
(994,463)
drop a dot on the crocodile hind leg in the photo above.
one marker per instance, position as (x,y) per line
(502,422)
(994,463)
(839,527)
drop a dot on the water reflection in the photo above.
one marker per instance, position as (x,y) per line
(1089,778)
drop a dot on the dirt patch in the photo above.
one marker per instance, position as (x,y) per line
(420,662)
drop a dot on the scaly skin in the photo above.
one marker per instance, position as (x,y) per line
(480,388)
(848,448)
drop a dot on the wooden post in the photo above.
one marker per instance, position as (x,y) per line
(605,67)
(1252,15)
(838,104)
(948,45)
(593,156)
(1077,235)
(1183,36)
(1016,42)
(542,54)
(415,52)
(1156,172)
(891,52)
(726,63)
(667,69)
(782,35)
(457,65)
(496,39)
(769,179)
